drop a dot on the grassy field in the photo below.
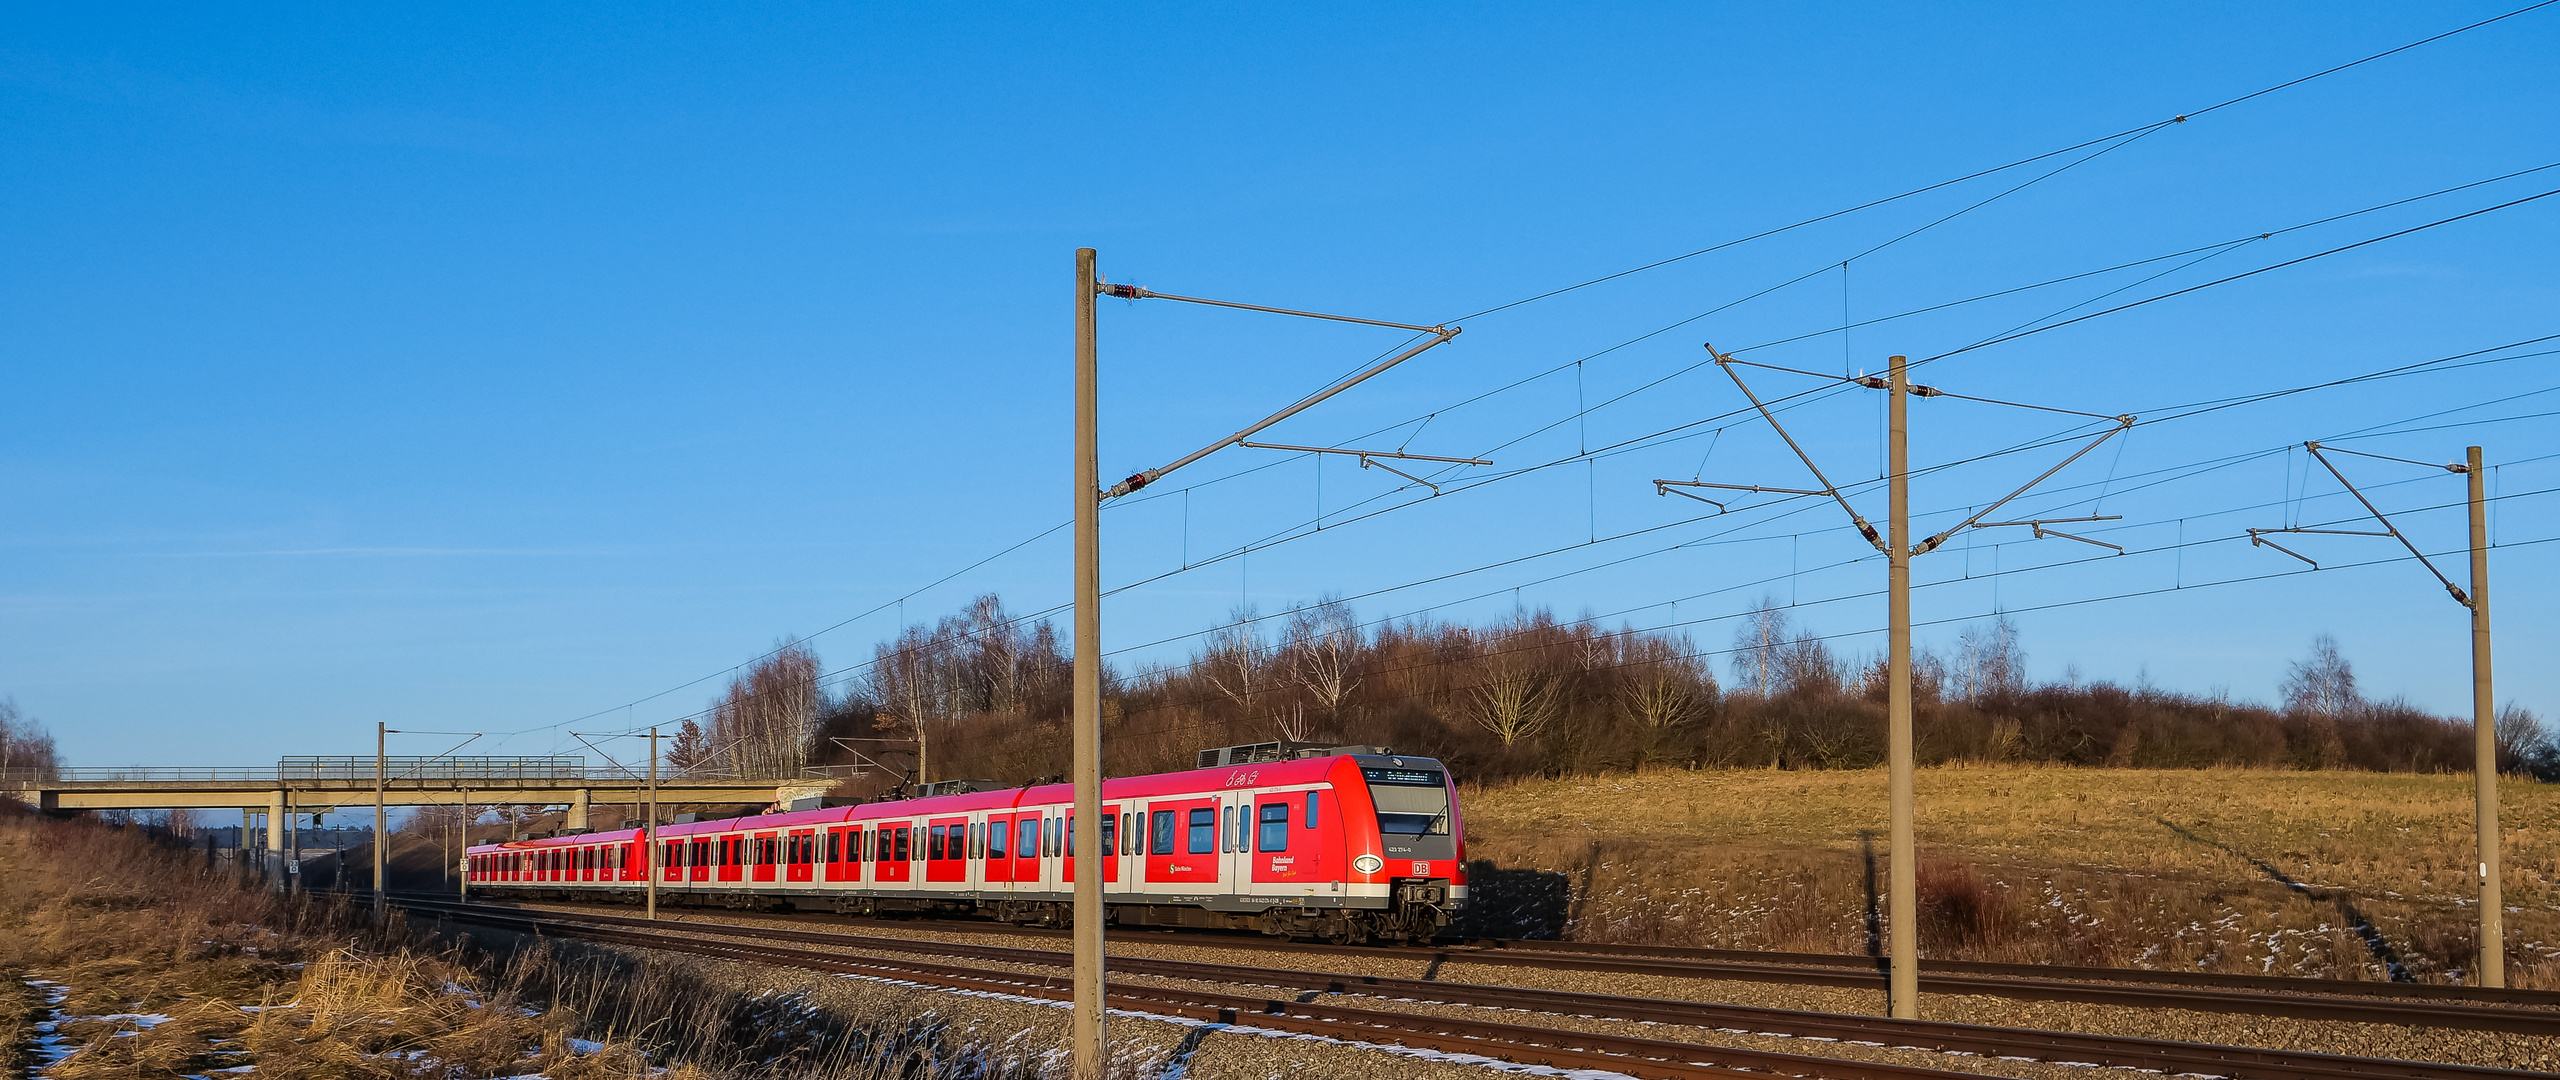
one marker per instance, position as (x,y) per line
(2353,875)
(165,971)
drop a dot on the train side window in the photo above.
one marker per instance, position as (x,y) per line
(1203,826)
(1069,843)
(977,840)
(1110,834)
(1160,833)
(1275,826)
(1052,850)
(1311,809)
(1027,837)
(835,845)
(902,844)
(1227,831)
(933,843)
(997,834)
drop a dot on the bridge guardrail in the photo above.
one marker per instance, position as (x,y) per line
(398,771)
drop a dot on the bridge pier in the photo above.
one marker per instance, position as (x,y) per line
(578,801)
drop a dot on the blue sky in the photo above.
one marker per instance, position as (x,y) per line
(484,369)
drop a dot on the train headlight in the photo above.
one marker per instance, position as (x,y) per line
(1367,864)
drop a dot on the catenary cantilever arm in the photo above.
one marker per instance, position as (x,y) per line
(2123,424)
(1725,364)
(2459,596)
(1440,336)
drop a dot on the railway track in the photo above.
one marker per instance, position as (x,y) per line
(1517,1042)
(2527,1012)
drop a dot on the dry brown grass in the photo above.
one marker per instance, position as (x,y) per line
(19,1013)
(170,972)
(2352,875)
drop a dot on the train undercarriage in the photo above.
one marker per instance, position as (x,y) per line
(1418,911)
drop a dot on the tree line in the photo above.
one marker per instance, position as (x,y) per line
(982,694)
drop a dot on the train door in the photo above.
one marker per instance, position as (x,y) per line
(1026,853)
(833,855)
(946,851)
(733,857)
(1182,841)
(999,850)
(762,853)
(1133,843)
(1235,842)
(801,850)
(1067,850)
(894,864)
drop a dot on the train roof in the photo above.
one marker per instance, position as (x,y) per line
(1313,770)
(608,836)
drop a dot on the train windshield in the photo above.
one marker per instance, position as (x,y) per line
(1411,802)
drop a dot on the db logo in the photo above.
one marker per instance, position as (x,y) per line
(1421,868)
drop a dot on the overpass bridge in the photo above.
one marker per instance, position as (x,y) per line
(300,785)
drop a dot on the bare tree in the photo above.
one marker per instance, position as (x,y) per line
(1238,662)
(26,749)
(1757,645)
(1805,665)
(2524,744)
(1989,662)
(2322,684)
(1323,650)
(1514,696)
(2321,690)
(691,747)
(1662,685)
(769,712)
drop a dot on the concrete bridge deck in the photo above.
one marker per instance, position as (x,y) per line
(308,785)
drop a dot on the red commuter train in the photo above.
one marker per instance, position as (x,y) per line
(1341,847)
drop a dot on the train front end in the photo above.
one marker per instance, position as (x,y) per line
(1412,850)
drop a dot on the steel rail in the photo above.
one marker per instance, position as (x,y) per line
(1503,950)
(2117,1051)
(2286,984)
(1513,1042)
